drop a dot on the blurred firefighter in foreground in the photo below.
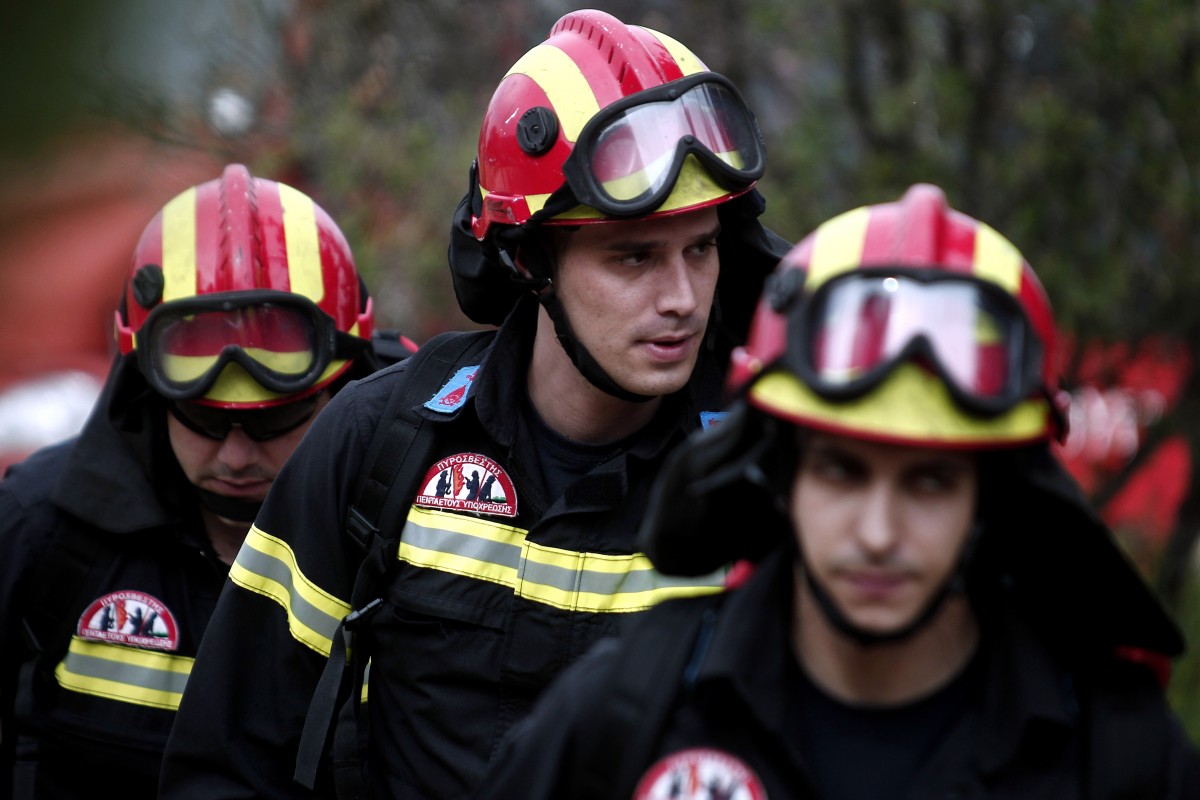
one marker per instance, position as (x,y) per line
(932,610)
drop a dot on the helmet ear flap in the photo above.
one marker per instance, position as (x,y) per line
(695,520)
(483,285)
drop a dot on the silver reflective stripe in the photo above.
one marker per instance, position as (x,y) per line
(566,579)
(266,565)
(124,674)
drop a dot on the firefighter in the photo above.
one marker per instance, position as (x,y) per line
(931,607)
(242,316)
(614,183)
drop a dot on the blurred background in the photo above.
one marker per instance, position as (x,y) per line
(1069,125)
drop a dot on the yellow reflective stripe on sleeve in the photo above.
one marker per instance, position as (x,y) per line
(125,674)
(303,244)
(267,566)
(565,579)
(179,246)
(838,245)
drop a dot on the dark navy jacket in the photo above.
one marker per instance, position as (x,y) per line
(493,591)
(119,633)
(1047,724)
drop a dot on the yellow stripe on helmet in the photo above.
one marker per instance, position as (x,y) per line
(692,187)
(179,246)
(837,246)
(303,244)
(997,260)
(565,86)
(911,405)
(688,63)
(235,385)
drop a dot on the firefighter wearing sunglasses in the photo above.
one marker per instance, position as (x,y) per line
(614,185)
(928,608)
(243,314)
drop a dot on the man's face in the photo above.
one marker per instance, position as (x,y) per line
(236,466)
(638,295)
(881,527)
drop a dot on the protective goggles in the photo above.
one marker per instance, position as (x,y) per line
(260,424)
(284,341)
(629,155)
(853,330)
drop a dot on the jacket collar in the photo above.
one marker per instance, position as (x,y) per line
(500,387)
(1028,702)
(105,480)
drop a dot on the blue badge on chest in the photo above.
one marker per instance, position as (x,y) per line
(454,393)
(710,419)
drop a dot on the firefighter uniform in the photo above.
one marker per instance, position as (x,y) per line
(497,586)
(749,724)
(126,622)
(888,470)
(243,308)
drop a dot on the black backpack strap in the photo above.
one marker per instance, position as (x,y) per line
(59,581)
(658,662)
(385,488)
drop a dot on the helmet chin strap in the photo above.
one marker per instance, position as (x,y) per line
(535,276)
(229,507)
(954,584)
(579,355)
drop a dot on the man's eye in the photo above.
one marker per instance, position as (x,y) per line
(934,481)
(632,259)
(832,469)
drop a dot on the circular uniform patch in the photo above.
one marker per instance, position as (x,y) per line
(700,773)
(132,618)
(468,482)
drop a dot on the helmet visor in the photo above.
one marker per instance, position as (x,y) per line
(856,328)
(284,341)
(629,155)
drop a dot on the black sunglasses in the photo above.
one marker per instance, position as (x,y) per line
(260,424)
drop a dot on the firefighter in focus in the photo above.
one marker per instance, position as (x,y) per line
(243,315)
(929,606)
(614,183)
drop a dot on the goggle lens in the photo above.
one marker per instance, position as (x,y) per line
(860,326)
(284,342)
(631,154)
(635,153)
(260,424)
(280,339)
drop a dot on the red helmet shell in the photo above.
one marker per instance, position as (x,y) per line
(239,233)
(590,60)
(918,231)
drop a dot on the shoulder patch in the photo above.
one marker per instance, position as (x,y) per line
(468,482)
(132,618)
(700,773)
(454,393)
(710,419)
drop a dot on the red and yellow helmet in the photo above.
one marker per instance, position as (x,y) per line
(243,294)
(906,322)
(604,121)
